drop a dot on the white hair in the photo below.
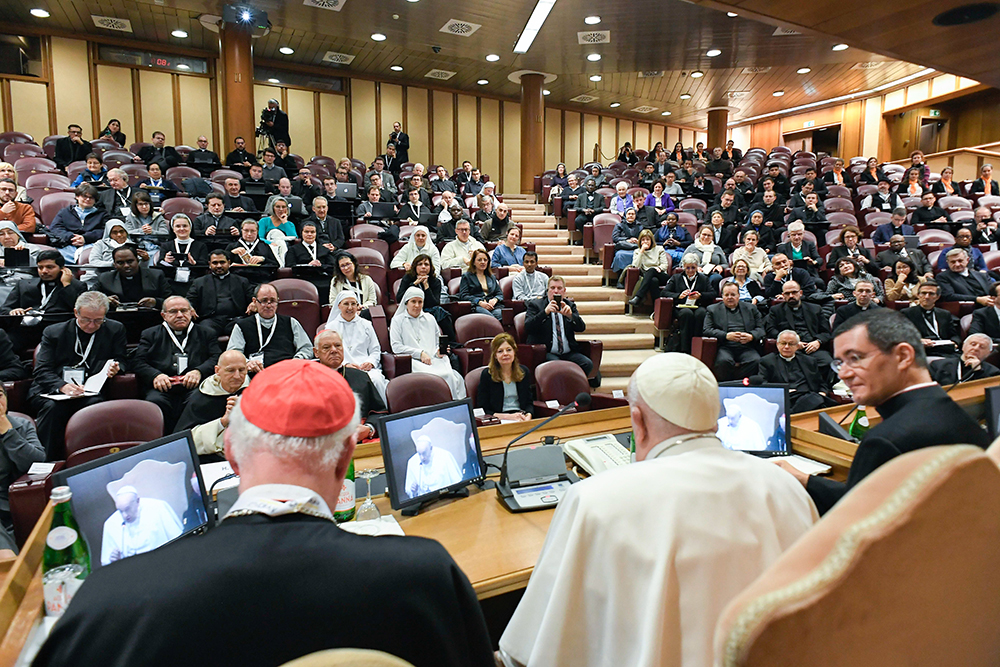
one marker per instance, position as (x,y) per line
(323,451)
(119,173)
(789,332)
(92,300)
(986,339)
(797,226)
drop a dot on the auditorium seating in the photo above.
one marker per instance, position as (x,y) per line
(416,390)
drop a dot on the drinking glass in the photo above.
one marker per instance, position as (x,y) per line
(368,511)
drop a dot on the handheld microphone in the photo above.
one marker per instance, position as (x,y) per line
(582,400)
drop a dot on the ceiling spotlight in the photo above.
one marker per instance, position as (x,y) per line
(594,57)
(664,113)
(685,96)
(273,81)
(413,0)
(287,50)
(592,20)
(246,15)
(483,82)
(396,68)
(595,77)
(713,52)
(840,47)
(697,74)
(803,70)
(546,92)
(615,105)
(778,93)
(732,15)
(492,58)
(378,37)
(183,66)
(179,34)
(40,13)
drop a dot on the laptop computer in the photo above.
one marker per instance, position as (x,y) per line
(347,190)
(255,189)
(16,258)
(912,241)
(383,210)
(202,158)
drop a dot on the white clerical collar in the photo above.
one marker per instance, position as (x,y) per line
(684,444)
(280,499)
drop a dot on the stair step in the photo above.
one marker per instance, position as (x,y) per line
(616,324)
(535,235)
(574,270)
(626,341)
(532,225)
(575,282)
(610,384)
(598,294)
(623,362)
(544,250)
(600,307)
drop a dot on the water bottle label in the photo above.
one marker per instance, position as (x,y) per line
(863,420)
(60,538)
(59,585)
(345,501)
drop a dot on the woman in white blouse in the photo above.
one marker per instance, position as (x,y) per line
(415,333)
(361,347)
(755,257)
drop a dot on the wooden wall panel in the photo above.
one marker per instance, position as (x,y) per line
(444,129)
(626,129)
(590,137)
(818,117)
(71,83)
(417,123)
(114,95)
(510,179)
(673,135)
(766,134)
(363,121)
(642,136)
(333,109)
(391,100)
(468,123)
(30,111)
(553,138)
(196,110)
(156,98)
(302,121)
(873,124)
(975,119)
(608,139)
(687,138)
(573,157)
(741,137)
(489,129)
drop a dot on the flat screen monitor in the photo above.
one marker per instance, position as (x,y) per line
(138,499)
(993,412)
(430,451)
(753,418)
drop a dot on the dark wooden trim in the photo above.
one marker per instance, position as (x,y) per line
(405,119)
(498,178)
(349,109)
(136,105)
(479,133)
(454,130)
(175,85)
(50,93)
(213,91)
(317,124)
(378,114)
(8,107)
(95,101)
(430,128)
(14,29)
(29,79)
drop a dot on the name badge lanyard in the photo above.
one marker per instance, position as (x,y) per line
(249,249)
(260,333)
(933,325)
(312,252)
(180,344)
(46,295)
(84,353)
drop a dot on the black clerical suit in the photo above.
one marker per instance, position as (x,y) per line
(538,325)
(592,200)
(772,286)
(939,324)
(804,377)
(223,224)
(986,321)
(166,157)
(113,201)
(11,368)
(236,158)
(890,257)
(956,287)
(182,252)
(947,372)
(68,151)
(808,321)
(65,344)
(848,311)
(287,565)
(364,390)
(257,249)
(240,201)
(220,300)
(146,283)
(27,294)
(299,254)
(157,353)
(913,419)
(732,359)
(204,168)
(689,321)
(328,230)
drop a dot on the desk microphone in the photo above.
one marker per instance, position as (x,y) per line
(582,400)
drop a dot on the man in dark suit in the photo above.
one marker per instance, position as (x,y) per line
(692,293)
(807,320)
(775,280)
(234,200)
(72,148)
(810,212)
(213,221)
(838,176)
(330,232)
(588,205)
(117,199)
(220,297)
(987,320)
(173,358)
(939,331)
(738,328)
(553,321)
(971,366)
(132,283)
(240,159)
(202,159)
(160,153)
(963,241)
(402,140)
(391,160)
(898,250)
(960,283)
(54,290)
(799,248)
(881,360)
(808,382)
(864,293)
(895,227)
(728,207)
(69,354)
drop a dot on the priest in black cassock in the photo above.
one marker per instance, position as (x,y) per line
(130,282)
(278,570)
(173,358)
(54,290)
(221,297)
(328,346)
(314,255)
(250,250)
(879,356)
(808,384)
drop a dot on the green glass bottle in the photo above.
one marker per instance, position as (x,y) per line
(66,560)
(344,511)
(860,424)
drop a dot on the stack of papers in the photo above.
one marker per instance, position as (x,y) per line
(386,525)
(92,387)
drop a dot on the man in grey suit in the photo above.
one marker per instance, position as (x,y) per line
(738,327)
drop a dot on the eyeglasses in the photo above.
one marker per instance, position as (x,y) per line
(269,302)
(178,311)
(853,360)
(88,320)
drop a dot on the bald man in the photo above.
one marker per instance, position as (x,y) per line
(655,582)
(206,411)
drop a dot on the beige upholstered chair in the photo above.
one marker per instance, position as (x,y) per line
(348,657)
(902,572)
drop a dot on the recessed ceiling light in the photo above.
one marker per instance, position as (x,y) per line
(492,58)
(595,77)
(685,96)
(594,57)
(40,13)
(732,15)
(615,105)
(697,74)
(803,70)
(713,52)
(664,113)
(183,66)
(179,34)
(546,92)
(378,37)
(483,82)
(287,50)
(396,68)
(778,93)
(840,47)
(592,20)
(273,81)
(413,0)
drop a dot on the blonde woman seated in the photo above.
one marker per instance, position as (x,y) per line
(415,333)
(505,385)
(653,264)
(361,347)
(750,290)
(419,243)
(904,284)
(711,258)
(754,256)
(275,228)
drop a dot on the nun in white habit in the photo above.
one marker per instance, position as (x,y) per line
(416,333)
(361,347)
(419,243)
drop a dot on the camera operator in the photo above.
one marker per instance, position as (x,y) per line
(274,123)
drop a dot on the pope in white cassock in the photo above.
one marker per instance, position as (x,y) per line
(739,432)
(139,525)
(430,469)
(641,559)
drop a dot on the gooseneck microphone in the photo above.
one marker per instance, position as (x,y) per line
(582,400)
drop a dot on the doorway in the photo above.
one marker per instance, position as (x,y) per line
(931,131)
(827,140)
